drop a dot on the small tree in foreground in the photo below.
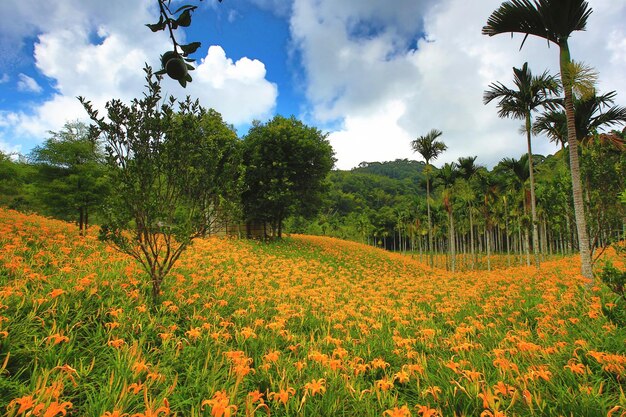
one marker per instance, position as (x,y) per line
(167,177)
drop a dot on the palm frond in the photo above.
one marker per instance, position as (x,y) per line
(428,146)
(553,20)
(553,123)
(582,78)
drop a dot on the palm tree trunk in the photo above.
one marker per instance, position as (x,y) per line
(533,208)
(452,243)
(519,239)
(508,236)
(472,248)
(487,246)
(430,232)
(579,208)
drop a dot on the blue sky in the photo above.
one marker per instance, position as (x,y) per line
(373,74)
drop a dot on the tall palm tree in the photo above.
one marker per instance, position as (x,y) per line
(519,174)
(591,113)
(447,177)
(553,20)
(489,187)
(529,94)
(430,148)
(468,169)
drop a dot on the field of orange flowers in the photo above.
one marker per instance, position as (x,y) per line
(308,326)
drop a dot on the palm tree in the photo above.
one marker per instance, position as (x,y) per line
(519,174)
(430,148)
(553,20)
(447,176)
(468,170)
(590,114)
(530,94)
(489,187)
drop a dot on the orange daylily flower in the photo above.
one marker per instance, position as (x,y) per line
(426,411)
(316,386)
(398,412)
(25,403)
(282,395)
(220,405)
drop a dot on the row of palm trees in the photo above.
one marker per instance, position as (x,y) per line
(530,94)
(555,21)
(474,210)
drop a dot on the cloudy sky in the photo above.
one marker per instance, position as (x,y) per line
(373,74)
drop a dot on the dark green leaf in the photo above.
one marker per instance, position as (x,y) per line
(184,19)
(156,26)
(190,48)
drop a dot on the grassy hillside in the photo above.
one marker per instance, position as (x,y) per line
(308,326)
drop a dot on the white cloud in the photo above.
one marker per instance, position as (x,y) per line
(238,90)
(5,78)
(28,84)
(6,147)
(368,69)
(378,133)
(98,49)
(365,77)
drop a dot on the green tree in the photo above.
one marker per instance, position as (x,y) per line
(164,172)
(468,169)
(430,148)
(447,177)
(12,182)
(286,164)
(591,114)
(72,175)
(530,93)
(489,186)
(553,20)
(601,153)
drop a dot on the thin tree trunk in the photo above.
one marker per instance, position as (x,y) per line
(572,140)
(519,239)
(533,208)
(472,247)
(508,236)
(487,245)
(430,232)
(452,243)
(81,220)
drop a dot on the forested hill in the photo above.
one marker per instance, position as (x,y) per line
(374,195)
(399,169)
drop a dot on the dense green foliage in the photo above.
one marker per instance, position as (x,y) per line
(168,171)
(72,177)
(286,165)
(385,205)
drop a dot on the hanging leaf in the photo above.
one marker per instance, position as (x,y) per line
(184,20)
(160,25)
(190,48)
(156,26)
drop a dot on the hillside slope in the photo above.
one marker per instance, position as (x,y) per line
(307,326)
